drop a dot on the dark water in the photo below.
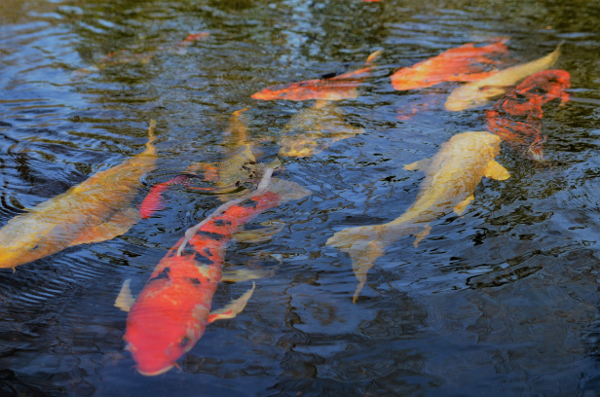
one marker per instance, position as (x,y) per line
(501,301)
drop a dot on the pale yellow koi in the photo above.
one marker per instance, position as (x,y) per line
(451,177)
(98,209)
(478,93)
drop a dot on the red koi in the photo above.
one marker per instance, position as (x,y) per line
(336,88)
(526,101)
(465,63)
(173,309)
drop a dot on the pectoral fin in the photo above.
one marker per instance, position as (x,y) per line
(462,206)
(119,224)
(257,235)
(243,275)
(125,300)
(496,171)
(418,165)
(232,309)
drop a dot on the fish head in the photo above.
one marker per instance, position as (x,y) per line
(23,241)
(165,323)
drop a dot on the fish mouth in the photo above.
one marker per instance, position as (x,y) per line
(155,373)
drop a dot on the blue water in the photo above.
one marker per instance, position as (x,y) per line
(502,301)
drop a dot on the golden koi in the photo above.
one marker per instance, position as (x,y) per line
(95,210)
(314,129)
(478,93)
(451,178)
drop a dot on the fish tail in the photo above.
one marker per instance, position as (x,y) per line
(154,201)
(287,190)
(365,244)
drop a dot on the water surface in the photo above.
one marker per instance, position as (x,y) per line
(501,301)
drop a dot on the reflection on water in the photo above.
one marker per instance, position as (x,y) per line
(501,300)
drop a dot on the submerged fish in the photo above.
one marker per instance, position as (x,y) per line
(336,88)
(174,308)
(525,102)
(451,177)
(126,56)
(314,129)
(98,209)
(240,166)
(465,63)
(478,93)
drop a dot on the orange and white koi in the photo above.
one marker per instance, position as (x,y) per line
(174,308)
(336,88)
(464,63)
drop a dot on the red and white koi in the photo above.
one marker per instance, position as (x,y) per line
(174,308)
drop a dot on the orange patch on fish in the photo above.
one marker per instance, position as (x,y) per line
(340,87)
(516,118)
(464,63)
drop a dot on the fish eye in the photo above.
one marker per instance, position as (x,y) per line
(184,341)
(35,247)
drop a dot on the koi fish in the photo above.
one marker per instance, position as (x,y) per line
(451,177)
(464,63)
(239,166)
(336,88)
(95,210)
(314,129)
(174,308)
(526,101)
(126,56)
(478,93)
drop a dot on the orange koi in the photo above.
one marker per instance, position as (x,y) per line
(526,101)
(336,88)
(464,63)
(174,308)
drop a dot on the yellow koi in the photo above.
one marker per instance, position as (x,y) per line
(478,93)
(314,129)
(95,210)
(451,178)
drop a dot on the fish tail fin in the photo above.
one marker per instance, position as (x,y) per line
(154,201)
(374,56)
(365,244)
(287,190)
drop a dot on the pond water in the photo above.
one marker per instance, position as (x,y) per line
(502,300)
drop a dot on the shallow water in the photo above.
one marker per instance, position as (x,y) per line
(501,301)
